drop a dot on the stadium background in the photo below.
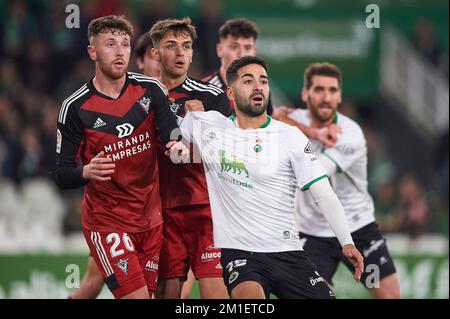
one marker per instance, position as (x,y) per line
(395,86)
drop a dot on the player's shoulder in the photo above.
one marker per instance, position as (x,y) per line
(300,115)
(214,79)
(209,116)
(74,100)
(202,88)
(292,133)
(146,81)
(350,127)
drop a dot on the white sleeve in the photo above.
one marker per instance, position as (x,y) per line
(350,146)
(328,164)
(304,161)
(186,126)
(330,206)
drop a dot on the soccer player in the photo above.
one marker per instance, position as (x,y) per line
(346,164)
(253,166)
(188,235)
(92,282)
(110,124)
(237,38)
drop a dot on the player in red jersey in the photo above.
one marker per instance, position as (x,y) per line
(237,39)
(188,237)
(92,282)
(111,124)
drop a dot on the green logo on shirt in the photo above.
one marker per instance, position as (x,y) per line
(236,165)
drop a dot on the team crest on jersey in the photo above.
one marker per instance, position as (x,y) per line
(237,166)
(123,265)
(212,136)
(145,103)
(258,146)
(174,107)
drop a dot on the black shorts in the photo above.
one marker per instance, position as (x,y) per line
(287,275)
(326,253)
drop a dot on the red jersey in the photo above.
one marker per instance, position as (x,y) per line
(184,185)
(125,129)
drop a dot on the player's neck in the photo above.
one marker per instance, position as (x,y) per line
(170,82)
(223,74)
(246,122)
(319,124)
(108,86)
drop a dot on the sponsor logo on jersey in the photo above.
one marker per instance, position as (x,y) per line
(123,265)
(234,275)
(145,103)
(383,260)
(128,147)
(207,256)
(58,141)
(125,129)
(374,245)
(308,148)
(99,123)
(151,266)
(235,165)
(315,281)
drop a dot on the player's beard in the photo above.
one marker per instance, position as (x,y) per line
(320,115)
(248,107)
(108,69)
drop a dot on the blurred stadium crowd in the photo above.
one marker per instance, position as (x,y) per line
(41,61)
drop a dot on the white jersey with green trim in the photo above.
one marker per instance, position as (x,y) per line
(252,176)
(349,183)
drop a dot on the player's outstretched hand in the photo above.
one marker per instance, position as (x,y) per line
(355,258)
(334,131)
(323,136)
(100,168)
(281,112)
(194,106)
(177,151)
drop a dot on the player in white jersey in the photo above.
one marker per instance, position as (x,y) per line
(346,164)
(253,166)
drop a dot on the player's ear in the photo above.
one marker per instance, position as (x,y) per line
(156,55)
(91,52)
(304,95)
(340,96)
(140,63)
(230,93)
(219,49)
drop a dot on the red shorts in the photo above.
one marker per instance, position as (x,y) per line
(128,261)
(188,242)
